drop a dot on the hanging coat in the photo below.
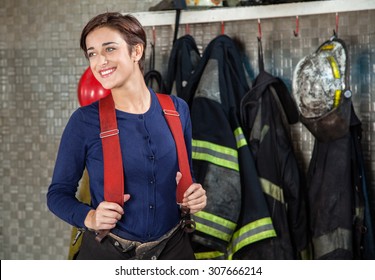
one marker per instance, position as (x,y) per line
(214,91)
(341,224)
(266,113)
(364,243)
(339,218)
(182,61)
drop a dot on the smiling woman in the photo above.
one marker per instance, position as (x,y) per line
(115,44)
(143,221)
(111,62)
(128,26)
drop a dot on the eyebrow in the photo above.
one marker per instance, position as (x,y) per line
(103,45)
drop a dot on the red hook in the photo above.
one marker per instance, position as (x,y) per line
(222,28)
(336,31)
(259,30)
(296,31)
(187,28)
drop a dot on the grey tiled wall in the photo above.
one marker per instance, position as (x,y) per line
(40,65)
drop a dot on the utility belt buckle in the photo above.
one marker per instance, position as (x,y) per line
(100,235)
(187,223)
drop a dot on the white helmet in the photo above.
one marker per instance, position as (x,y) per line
(321,91)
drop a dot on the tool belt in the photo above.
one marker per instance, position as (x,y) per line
(134,249)
(151,250)
(148,250)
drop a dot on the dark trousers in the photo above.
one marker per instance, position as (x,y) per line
(176,247)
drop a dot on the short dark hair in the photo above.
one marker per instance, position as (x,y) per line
(130,28)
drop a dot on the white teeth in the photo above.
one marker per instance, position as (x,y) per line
(106,72)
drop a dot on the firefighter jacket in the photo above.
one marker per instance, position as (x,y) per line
(266,111)
(339,217)
(340,221)
(183,59)
(364,243)
(236,215)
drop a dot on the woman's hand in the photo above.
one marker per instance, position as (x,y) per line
(105,216)
(194,197)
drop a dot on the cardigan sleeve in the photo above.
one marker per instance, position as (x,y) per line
(68,170)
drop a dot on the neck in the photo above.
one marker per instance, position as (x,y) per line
(136,100)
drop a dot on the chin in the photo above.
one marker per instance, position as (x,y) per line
(106,86)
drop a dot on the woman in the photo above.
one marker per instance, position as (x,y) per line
(148,225)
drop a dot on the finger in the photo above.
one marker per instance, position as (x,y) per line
(104,222)
(110,209)
(108,216)
(126,197)
(110,206)
(192,202)
(194,191)
(178,177)
(196,208)
(193,187)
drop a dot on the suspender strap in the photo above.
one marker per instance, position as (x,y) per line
(113,166)
(173,120)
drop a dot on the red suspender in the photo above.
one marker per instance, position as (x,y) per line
(174,122)
(113,167)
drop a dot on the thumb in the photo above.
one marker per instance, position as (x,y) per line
(126,197)
(178,177)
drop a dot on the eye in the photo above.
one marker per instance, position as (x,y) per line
(110,49)
(91,54)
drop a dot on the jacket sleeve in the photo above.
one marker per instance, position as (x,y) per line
(295,197)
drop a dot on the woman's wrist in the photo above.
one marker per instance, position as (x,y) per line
(88,220)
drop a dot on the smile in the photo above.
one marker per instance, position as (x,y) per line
(106,72)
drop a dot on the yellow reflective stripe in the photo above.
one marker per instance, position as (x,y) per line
(336,75)
(335,68)
(240,137)
(264,132)
(214,225)
(337,98)
(252,232)
(209,255)
(215,160)
(212,231)
(272,190)
(360,212)
(340,238)
(306,254)
(216,219)
(327,47)
(216,154)
(215,147)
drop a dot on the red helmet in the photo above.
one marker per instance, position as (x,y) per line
(89,89)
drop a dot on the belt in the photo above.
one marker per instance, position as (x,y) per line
(146,250)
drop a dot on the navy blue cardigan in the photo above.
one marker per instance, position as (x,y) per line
(150,166)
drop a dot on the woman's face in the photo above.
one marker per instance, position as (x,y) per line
(109,58)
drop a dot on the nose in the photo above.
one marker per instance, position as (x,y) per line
(103,60)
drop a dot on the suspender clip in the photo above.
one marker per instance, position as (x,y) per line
(109,133)
(171,113)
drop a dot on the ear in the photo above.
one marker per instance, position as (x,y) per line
(137,52)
